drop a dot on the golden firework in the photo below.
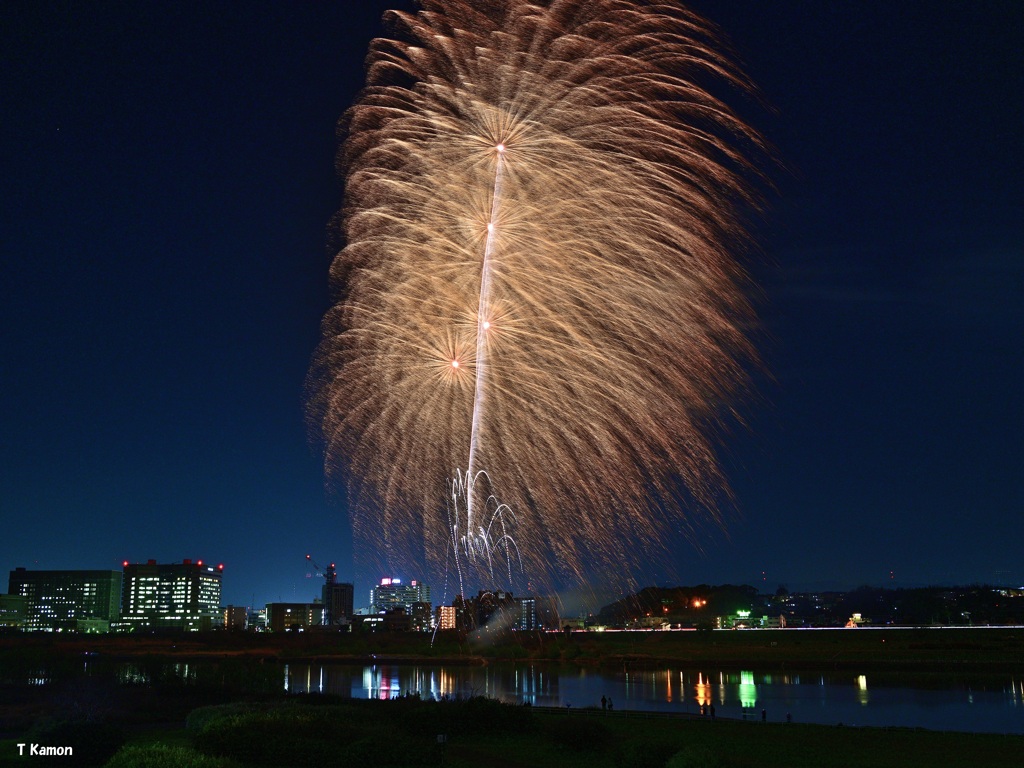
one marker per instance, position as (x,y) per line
(540,318)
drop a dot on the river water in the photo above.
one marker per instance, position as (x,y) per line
(982,704)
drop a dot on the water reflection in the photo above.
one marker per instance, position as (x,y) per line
(703,691)
(862,689)
(523,684)
(747,690)
(818,698)
(980,703)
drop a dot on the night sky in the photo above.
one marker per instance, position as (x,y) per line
(166,179)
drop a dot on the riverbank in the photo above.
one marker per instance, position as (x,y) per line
(325,731)
(889,649)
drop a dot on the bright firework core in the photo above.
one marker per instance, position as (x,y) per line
(580,438)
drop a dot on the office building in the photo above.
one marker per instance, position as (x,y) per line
(421,619)
(392,593)
(182,596)
(12,611)
(293,617)
(67,600)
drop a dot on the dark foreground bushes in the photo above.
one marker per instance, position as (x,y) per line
(458,717)
(579,734)
(166,756)
(323,733)
(287,735)
(647,753)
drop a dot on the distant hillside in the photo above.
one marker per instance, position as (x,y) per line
(922,606)
(689,605)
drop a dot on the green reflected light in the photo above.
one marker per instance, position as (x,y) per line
(748,691)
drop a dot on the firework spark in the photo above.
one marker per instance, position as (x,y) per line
(538,303)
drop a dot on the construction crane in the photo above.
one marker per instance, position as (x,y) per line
(330,577)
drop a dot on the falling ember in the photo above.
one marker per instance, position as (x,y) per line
(589,422)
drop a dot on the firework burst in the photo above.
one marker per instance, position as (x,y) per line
(538,304)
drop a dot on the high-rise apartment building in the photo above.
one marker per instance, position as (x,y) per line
(67,600)
(236,617)
(447,617)
(183,596)
(526,616)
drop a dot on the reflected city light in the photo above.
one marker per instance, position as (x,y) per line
(447,683)
(748,690)
(703,691)
(981,704)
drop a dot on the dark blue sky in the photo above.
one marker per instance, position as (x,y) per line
(167,177)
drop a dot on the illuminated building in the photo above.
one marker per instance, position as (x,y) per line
(391,593)
(446,617)
(183,596)
(257,619)
(293,617)
(12,611)
(526,619)
(67,600)
(235,617)
(420,618)
(336,599)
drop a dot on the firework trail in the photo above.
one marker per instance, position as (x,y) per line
(537,303)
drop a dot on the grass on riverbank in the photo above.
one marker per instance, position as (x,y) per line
(650,743)
(326,731)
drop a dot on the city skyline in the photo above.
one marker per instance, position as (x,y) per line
(169,182)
